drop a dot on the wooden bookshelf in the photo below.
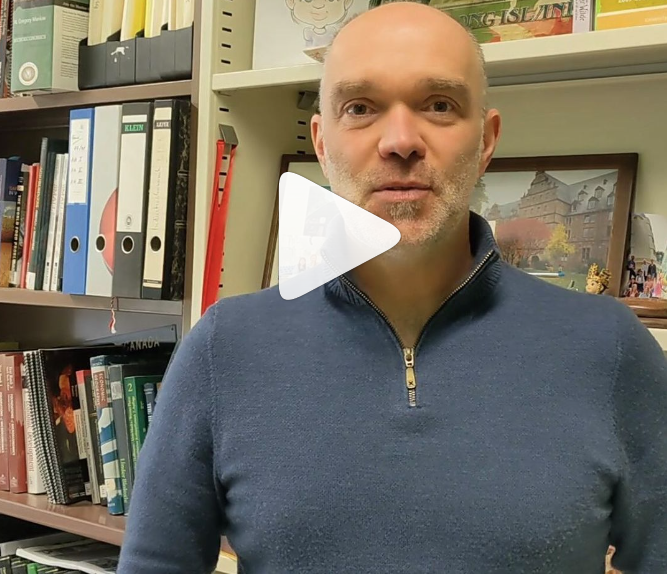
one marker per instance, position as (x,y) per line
(52,299)
(96,97)
(83,519)
(589,56)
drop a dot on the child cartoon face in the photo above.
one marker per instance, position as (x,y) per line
(319,13)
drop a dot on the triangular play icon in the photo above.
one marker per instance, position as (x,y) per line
(322,236)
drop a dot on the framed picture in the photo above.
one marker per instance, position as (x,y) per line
(557,217)
(306,165)
(644,286)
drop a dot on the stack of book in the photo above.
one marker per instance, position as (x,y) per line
(103,213)
(73,420)
(44,54)
(57,553)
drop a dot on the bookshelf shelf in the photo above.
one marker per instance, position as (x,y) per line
(600,54)
(96,97)
(51,299)
(84,519)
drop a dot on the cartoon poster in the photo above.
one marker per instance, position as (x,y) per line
(293,32)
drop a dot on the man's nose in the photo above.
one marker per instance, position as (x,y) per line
(400,134)
(319,3)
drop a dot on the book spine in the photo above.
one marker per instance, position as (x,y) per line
(42,429)
(56,276)
(95,456)
(17,244)
(83,423)
(582,16)
(4,26)
(10,172)
(122,434)
(4,451)
(132,200)
(31,279)
(29,223)
(107,431)
(149,394)
(77,209)
(53,222)
(103,199)
(18,480)
(160,194)
(177,250)
(33,46)
(133,423)
(35,482)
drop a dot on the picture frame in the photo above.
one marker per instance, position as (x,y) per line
(644,286)
(306,165)
(556,216)
(615,229)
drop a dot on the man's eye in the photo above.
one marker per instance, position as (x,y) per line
(440,107)
(357,110)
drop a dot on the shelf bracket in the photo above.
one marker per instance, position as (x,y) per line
(307,100)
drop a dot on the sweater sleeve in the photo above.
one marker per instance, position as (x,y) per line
(639,515)
(176,513)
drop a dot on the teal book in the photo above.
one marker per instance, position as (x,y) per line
(45,44)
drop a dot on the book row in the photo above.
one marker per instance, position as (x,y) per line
(73,420)
(298,32)
(56,553)
(103,213)
(42,44)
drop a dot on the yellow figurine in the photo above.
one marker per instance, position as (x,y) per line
(597,281)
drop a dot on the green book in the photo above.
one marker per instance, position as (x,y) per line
(45,49)
(137,414)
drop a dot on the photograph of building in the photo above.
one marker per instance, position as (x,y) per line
(558,222)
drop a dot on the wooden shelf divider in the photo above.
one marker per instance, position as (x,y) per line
(83,519)
(52,299)
(96,97)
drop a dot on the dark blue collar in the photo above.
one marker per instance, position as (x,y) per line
(486,267)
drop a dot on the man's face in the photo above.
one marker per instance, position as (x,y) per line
(320,13)
(402,128)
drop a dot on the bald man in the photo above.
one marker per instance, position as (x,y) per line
(432,411)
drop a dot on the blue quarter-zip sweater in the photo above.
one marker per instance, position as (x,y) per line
(539,436)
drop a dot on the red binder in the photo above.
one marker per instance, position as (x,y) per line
(218,222)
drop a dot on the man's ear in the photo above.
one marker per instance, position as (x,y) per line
(318,141)
(348,3)
(492,125)
(290,4)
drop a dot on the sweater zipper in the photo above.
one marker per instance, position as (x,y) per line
(409,352)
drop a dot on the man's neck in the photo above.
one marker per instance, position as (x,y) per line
(409,289)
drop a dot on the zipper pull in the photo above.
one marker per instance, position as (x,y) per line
(410,379)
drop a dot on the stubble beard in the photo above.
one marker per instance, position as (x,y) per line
(422,224)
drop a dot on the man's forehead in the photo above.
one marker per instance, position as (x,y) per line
(411,49)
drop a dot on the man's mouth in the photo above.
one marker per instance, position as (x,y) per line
(404,186)
(402,191)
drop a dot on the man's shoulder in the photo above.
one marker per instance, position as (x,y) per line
(261,311)
(569,305)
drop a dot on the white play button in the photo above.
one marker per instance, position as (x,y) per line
(322,236)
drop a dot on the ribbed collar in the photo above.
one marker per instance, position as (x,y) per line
(486,264)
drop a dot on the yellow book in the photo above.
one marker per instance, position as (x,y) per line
(95,22)
(154,10)
(134,19)
(112,18)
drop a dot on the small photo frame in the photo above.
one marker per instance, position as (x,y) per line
(308,166)
(556,217)
(644,286)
